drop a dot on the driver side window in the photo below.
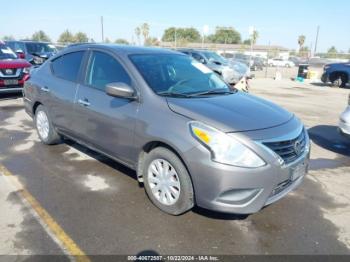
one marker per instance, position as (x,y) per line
(104,69)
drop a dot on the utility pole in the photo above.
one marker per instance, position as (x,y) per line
(316,42)
(102,33)
(267,63)
(251,34)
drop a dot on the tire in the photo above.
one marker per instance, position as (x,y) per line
(179,196)
(339,80)
(44,127)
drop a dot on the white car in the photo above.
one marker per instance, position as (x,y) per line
(344,123)
(280,63)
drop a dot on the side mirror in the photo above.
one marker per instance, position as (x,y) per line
(20,54)
(202,60)
(120,90)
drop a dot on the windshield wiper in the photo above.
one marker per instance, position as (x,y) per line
(172,94)
(217,91)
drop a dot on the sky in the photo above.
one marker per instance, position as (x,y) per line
(278,22)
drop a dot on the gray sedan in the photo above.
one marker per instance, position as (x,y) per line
(191,139)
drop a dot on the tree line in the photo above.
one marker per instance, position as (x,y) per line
(181,35)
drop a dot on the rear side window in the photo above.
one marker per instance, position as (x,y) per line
(67,66)
(105,69)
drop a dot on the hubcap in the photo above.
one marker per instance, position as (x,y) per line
(42,123)
(164,182)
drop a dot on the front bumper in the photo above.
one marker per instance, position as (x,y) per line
(237,190)
(324,78)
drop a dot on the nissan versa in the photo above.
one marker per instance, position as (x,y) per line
(191,139)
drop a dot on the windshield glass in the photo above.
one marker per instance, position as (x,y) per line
(6,52)
(215,57)
(40,48)
(172,74)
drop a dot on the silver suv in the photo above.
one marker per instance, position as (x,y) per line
(191,139)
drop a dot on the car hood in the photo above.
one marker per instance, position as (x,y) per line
(13,63)
(231,113)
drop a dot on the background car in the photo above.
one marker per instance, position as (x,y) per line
(279,62)
(221,66)
(13,70)
(298,60)
(254,63)
(338,74)
(344,122)
(35,53)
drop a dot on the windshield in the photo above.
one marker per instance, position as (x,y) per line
(215,57)
(6,52)
(40,48)
(173,74)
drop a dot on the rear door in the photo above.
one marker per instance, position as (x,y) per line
(62,87)
(105,122)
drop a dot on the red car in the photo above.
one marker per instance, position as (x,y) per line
(13,70)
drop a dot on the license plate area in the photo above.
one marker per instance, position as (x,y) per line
(298,171)
(10,82)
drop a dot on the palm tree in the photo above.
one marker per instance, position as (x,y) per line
(301,41)
(145,31)
(255,37)
(138,33)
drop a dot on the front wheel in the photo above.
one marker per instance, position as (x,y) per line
(167,182)
(340,81)
(44,127)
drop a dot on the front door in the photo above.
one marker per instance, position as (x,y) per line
(105,122)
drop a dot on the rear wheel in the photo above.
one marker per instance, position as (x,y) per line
(339,80)
(167,182)
(44,127)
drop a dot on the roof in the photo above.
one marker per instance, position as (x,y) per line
(124,49)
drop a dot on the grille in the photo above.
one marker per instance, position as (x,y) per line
(8,71)
(289,150)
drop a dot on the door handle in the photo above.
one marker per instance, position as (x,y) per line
(84,102)
(45,89)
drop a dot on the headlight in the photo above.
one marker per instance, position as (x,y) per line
(225,149)
(326,67)
(26,70)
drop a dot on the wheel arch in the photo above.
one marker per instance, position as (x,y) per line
(333,75)
(148,147)
(35,106)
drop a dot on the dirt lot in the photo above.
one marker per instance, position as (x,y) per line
(98,204)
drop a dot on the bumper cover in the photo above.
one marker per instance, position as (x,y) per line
(7,90)
(237,190)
